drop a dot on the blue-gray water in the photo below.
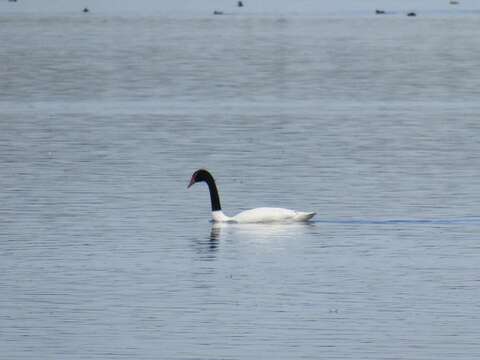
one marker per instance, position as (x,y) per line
(372,122)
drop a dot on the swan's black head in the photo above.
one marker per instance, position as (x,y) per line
(204,175)
(199,176)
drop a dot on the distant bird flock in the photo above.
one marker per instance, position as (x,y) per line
(240,4)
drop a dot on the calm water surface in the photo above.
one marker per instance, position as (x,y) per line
(371,122)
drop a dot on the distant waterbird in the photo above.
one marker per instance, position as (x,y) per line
(258,215)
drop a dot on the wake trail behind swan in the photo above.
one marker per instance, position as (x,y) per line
(457,221)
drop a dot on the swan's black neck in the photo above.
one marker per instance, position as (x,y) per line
(214,198)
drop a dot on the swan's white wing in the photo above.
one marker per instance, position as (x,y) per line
(271,215)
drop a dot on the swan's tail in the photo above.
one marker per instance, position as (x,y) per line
(304,216)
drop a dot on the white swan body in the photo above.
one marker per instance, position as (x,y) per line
(258,215)
(263,215)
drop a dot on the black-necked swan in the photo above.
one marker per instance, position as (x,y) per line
(263,214)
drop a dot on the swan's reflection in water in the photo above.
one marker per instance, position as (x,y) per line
(260,231)
(259,234)
(215,234)
(206,247)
